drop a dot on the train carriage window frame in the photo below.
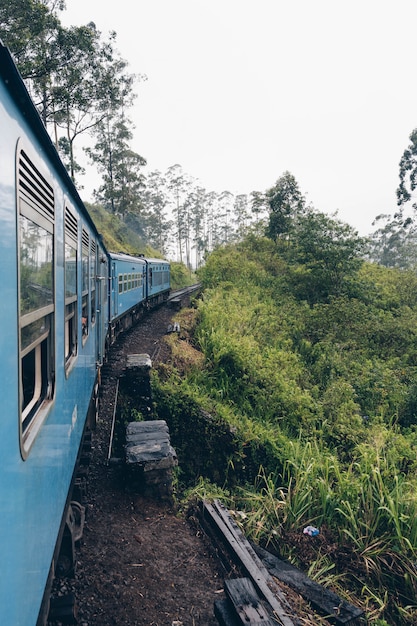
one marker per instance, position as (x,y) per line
(35,214)
(71,289)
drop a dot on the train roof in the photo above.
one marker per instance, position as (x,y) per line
(122,256)
(15,85)
(151,260)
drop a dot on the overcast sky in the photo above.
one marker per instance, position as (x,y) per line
(240,91)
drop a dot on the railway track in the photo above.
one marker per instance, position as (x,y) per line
(184,292)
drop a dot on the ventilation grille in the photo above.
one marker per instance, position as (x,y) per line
(37,192)
(71,225)
(85,240)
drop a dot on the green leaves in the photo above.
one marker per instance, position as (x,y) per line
(285,203)
(408,172)
(321,398)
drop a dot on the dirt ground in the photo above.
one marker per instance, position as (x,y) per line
(139,562)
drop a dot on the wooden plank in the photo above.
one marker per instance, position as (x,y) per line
(224,613)
(249,609)
(324,600)
(249,561)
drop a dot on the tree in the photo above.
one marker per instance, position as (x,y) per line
(119,165)
(77,89)
(408,172)
(211,204)
(179,186)
(29,28)
(197,200)
(75,78)
(241,214)
(325,253)
(225,202)
(284,201)
(155,202)
(99,106)
(394,242)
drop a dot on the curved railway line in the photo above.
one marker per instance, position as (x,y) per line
(184,292)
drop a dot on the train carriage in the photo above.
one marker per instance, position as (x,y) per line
(136,284)
(127,287)
(53,315)
(64,298)
(157,281)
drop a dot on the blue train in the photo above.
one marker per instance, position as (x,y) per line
(65,298)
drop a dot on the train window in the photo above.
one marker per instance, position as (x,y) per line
(85,255)
(120,283)
(36,271)
(125,282)
(35,200)
(71,239)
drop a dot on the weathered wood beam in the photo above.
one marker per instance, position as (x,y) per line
(224,612)
(249,609)
(324,600)
(250,562)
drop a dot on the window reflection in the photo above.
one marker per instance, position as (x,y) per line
(36,272)
(70,271)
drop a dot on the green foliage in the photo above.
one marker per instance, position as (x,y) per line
(116,235)
(118,163)
(322,399)
(408,171)
(285,202)
(325,257)
(25,26)
(394,242)
(209,451)
(230,265)
(181,276)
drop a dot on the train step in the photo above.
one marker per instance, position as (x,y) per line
(63,610)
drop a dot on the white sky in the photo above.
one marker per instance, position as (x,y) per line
(240,91)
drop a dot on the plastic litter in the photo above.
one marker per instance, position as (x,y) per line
(311,531)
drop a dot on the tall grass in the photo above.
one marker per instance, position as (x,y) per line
(369,514)
(337,380)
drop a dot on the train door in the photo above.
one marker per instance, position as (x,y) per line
(114,291)
(101,305)
(99,308)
